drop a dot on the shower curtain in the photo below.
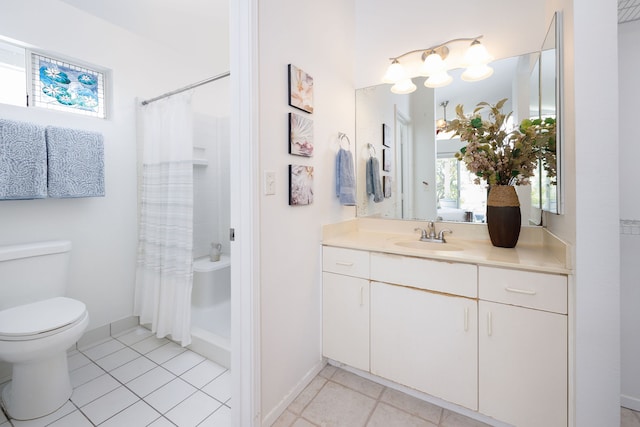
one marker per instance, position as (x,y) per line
(164,270)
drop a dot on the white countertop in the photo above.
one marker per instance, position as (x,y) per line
(537,249)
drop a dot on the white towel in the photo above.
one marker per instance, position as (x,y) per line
(76,163)
(345,178)
(374,186)
(23,161)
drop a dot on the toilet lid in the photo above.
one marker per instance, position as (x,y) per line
(39,317)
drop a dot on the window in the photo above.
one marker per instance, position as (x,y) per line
(13,81)
(34,80)
(456,191)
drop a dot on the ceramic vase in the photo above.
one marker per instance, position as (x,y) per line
(503,216)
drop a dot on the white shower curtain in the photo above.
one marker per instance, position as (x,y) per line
(164,271)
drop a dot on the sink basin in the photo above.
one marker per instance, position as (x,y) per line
(428,246)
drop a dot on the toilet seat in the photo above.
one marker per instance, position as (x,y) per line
(40,319)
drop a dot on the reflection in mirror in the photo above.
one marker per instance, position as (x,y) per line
(421,177)
(426,182)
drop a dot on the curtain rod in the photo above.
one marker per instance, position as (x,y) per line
(191,86)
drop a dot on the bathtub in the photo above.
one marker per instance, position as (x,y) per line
(211,309)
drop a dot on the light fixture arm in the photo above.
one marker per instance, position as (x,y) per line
(441,48)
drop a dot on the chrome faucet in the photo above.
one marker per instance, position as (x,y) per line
(429,234)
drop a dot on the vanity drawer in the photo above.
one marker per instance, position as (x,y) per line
(350,262)
(540,291)
(439,276)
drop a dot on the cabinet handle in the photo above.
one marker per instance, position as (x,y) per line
(344,264)
(466,319)
(489,324)
(520,291)
(361,295)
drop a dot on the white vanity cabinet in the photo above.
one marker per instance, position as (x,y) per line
(345,306)
(425,340)
(522,352)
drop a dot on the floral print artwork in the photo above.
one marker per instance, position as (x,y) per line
(60,85)
(300,135)
(300,89)
(300,185)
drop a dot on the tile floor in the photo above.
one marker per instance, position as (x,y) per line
(339,398)
(136,379)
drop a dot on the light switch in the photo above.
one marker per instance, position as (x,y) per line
(269,183)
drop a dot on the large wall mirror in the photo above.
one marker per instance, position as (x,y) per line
(421,179)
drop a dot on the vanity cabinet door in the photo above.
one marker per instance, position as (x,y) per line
(427,341)
(345,319)
(523,365)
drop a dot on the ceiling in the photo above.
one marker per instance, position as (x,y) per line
(195,27)
(628,10)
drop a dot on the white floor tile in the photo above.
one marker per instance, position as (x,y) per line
(74,419)
(183,362)
(117,359)
(193,410)
(162,422)
(138,414)
(150,381)
(169,395)
(77,360)
(101,350)
(220,418)
(149,344)
(134,335)
(93,389)
(85,374)
(168,351)
(109,405)
(203,373)
(220,388)
(133,369)
(66,409)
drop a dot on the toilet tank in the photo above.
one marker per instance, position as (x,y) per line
(33,271)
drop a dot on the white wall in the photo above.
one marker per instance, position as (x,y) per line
(591,219)
(317,37)
(629,68)
(102,230)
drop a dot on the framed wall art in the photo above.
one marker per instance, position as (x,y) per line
(300,185)
(386,186)
(300,89)
(386,159)
(300,135)
(386,135)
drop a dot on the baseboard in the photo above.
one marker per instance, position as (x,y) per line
(101,333)
(630,402)
(273,415)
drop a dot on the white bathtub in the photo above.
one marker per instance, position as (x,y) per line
(211,309)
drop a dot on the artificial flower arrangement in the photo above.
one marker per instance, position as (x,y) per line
(501,156)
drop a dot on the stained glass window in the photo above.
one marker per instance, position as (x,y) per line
(63,86)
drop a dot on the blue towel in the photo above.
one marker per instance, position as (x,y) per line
(23,161)
(374,186)
(76,163)
(345,178)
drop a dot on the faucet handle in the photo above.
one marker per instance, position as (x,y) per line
(423,232)
(441,234)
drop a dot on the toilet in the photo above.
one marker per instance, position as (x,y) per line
(38,324)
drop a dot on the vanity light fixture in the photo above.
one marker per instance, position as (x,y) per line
(433,66)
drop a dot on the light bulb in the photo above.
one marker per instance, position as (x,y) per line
(438,80)
(395,73)
(433,64)
(476,73)
(403,87)
(476,54)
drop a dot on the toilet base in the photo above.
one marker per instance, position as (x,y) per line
(37,388)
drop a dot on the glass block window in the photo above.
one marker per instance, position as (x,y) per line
(63,86)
